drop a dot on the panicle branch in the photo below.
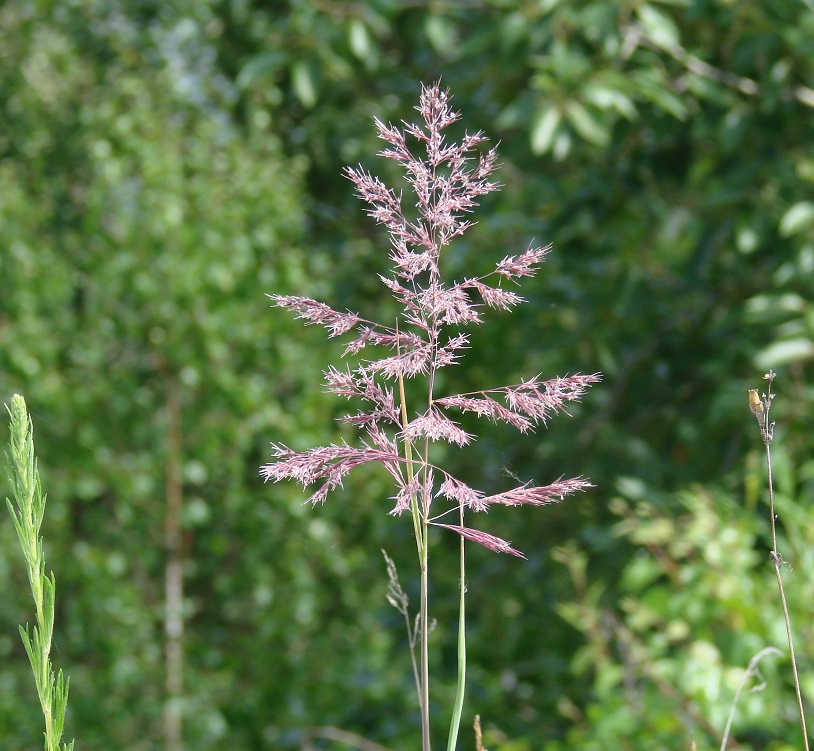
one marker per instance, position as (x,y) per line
(436,427)
(527,403)
(329,463)
(523,495)
(530,495)
(525,264)
(313,311)
(491,542)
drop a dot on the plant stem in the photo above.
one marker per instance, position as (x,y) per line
(420,530)
(777,560)
(425,669)
(459,696)
(760,406)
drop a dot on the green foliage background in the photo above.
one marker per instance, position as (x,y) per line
(164,165)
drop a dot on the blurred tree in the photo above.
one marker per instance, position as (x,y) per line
(140,228)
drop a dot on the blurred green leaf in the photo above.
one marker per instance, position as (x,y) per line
(544,130)
(780,354)
(799,218)
(586,124)
(658,26)
(303,82)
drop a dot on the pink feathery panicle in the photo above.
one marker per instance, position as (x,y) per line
(404,496)
(409,264)
(393,340)
(418,489)
(406,365)
(342,383)
(446,180)
(527,403)
(528,495)
(491,542)
(538,399)
(464,495)
(450,352)
(449,305)
(395,138)
(434,108)
(445,185)
(385,205)
(406,297)
(315,312)
(487,407)
(327,463)
(381,440)
(360,384)
(435,426)
(512,267)
(494,297)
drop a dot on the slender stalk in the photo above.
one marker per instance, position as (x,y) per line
(459,696)
(420,532)
(397,597)
(760,406)
(777,560)
(425,668)
(425,514)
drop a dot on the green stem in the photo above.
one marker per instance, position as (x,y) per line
(459,696)
(420,531)
(425,668)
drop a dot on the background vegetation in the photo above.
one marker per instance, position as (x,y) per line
(166,164)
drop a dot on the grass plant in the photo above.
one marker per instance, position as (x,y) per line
(760,405)
(446,180)
(27,513)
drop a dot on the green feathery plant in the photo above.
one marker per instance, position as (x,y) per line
(760,404)
(30,501)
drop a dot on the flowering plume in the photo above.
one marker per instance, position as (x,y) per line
(446,179)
